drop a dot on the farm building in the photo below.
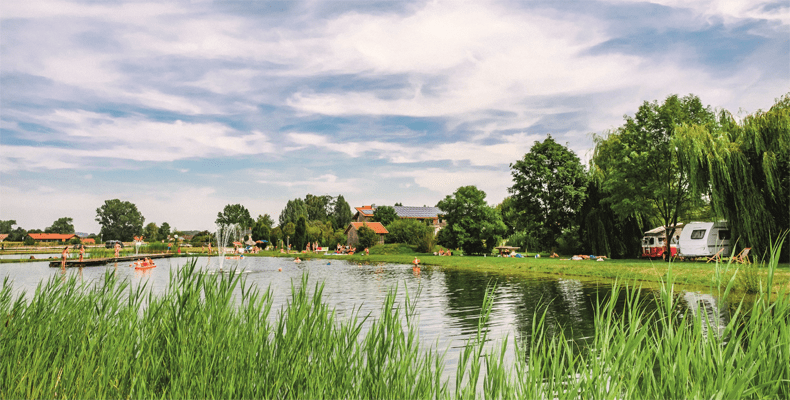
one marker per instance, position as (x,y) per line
(352,231)
(431,214)
(52,237)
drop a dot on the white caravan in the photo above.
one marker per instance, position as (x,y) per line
(704,239)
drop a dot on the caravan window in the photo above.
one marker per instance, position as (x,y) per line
(724,235)
(698,234)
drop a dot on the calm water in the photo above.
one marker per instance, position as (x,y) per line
(448,304)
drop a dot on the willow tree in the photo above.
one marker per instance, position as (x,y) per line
(639,167)
(745,168)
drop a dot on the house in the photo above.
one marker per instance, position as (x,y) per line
(431,214)
(3,236)
(352,231)
(88,241)
(365,213)
(52,237)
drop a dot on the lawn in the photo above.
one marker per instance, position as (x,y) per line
(693,274)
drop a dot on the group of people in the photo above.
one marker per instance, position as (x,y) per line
(586,257)
(442,252)
(65,254)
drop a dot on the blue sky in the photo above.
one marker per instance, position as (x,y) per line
(184,107)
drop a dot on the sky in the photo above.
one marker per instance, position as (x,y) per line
(184,107)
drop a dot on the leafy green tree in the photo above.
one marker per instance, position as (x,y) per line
(367,237)
(262,228)
(602,232)
(472,225)
(151,232)
(293,210)
(235,214)
(409,231)
(549,186)
(164,231)
(510,215)
(17,235)
(317,207)
(276,236)
(385,215)
(7,225)
(639,165)
(28,241)
(289,229)
(745,170)
(202,238)
(300,234)
(342,213)
(119,220)
(61,225)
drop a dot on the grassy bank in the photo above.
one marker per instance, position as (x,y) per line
(199,341)
(692,274)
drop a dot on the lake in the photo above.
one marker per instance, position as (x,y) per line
(448,305)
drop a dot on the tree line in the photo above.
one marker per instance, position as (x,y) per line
(672,161)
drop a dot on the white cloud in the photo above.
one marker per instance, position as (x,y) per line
(136,138)
(479,153)
(325,183)
(729,10)
(444,182)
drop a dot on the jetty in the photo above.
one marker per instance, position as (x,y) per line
(92,262)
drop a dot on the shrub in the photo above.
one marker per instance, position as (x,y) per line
(426,242)
(367,238)
(409,231)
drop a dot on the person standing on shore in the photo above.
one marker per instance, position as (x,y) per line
(209,249)
(64,255)
(82,252)
(117,249)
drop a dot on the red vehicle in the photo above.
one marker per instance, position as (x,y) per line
(653,245)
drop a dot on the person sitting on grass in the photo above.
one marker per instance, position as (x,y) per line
(554,255)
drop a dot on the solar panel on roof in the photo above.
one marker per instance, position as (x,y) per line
(417,212)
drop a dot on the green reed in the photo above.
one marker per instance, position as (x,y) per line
(215,336)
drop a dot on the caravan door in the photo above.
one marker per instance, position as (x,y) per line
(694,239)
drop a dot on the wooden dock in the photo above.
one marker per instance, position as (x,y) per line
(92,262)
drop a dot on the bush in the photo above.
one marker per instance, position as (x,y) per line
(29,241)
(525,241)
(409,231)
(568,242)
(426,242)
(389,249)
(367,238)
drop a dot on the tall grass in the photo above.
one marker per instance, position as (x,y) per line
(216,337)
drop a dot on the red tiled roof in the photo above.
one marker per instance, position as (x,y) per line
(365,210)
(376,226)
(3,236)
(89,240)
(51,236)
